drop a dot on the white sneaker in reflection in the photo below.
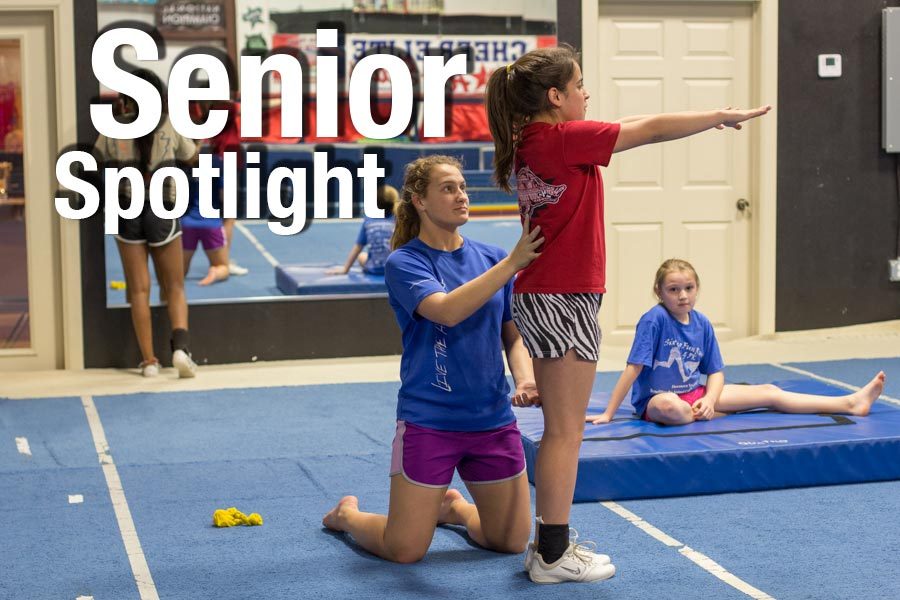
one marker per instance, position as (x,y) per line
(236,269)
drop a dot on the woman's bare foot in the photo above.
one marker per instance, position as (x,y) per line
(861,401)
(448,514)
(335,517)
(215,273)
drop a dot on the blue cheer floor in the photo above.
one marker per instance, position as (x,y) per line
(152,460)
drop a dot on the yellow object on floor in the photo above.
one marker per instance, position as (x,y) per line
(232,517)
(117,285)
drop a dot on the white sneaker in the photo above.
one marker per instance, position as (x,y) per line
(149,368)
(601,559)
(529,555)
(576,564)
(183,363)
(236,269)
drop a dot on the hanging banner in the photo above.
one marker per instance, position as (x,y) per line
(489,52)
(254,27)
(190,15)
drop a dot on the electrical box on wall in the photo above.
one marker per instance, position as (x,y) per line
(890,79)
(829,65)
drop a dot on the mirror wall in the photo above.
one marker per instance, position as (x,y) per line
(491,37)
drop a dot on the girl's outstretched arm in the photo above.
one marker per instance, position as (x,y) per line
(672,126)
(623,385)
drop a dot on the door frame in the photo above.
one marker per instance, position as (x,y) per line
(763,142)
(67,262)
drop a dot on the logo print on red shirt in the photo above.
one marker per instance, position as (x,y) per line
(534,192)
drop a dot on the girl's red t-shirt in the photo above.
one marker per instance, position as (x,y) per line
(558,181)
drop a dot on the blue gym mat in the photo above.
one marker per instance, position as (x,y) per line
(310,280)
(757,450)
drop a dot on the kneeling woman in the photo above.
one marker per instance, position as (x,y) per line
(452,298)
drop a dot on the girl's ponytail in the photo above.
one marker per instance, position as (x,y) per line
(407,222)
(516,93)
(500,121)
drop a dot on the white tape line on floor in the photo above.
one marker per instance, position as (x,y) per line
(139,567)
(701,560)
(22,446)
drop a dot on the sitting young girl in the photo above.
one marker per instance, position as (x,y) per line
(374,234)
(674,344)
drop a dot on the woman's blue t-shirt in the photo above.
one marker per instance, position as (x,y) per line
(673,354)
(192,217)
(376,233)
(452,378)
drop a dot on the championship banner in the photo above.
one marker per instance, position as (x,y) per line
(190,15)
(489,52)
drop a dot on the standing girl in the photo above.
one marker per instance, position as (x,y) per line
(451,297)
(674,344)
(150,236)
(536,113)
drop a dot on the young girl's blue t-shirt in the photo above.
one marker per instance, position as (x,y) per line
(376,233)
(452,378)
(673,354)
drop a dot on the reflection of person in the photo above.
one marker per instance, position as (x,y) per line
(147,234)
(536,113)
(228,140)
(209,233)
(374,233)
(14,140)
(451,298)
(674,344)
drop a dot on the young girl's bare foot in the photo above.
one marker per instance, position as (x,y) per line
(861,401)
(335,517)
(448,514)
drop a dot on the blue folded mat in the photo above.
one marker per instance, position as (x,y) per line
(756,450)
(309,280)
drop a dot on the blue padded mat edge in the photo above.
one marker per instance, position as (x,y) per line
(307,280)
(758,450)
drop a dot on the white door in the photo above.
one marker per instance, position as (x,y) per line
(30,305)
(681,198)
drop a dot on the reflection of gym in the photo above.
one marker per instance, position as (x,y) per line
(393,299)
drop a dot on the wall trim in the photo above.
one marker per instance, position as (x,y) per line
(69,259)
(765,27)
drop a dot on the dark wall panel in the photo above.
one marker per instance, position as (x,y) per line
(837,190)
(247,332)
(568,22)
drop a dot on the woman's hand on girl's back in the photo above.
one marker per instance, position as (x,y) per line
(526,248)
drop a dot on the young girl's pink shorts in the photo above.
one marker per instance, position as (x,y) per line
(427,456)
(689,397)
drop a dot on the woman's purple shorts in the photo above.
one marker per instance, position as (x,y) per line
(210,237)
(427,457)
